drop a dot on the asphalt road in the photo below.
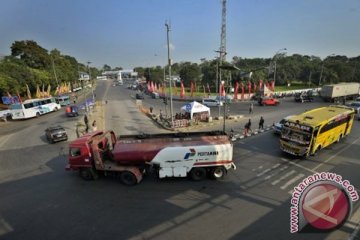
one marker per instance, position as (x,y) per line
(39,200)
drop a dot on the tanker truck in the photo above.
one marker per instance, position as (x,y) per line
(195,155)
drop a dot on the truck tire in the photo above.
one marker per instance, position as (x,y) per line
(217,172)
(128,178)
(198,174)
(86,174)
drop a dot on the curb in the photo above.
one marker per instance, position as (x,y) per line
(253,133)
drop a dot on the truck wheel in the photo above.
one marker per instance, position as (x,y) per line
(128,178)
(86,174)
(198,174)
(217,172)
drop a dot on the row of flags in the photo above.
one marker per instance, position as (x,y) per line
(40,93)
(251,87)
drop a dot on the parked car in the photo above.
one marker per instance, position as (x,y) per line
(300,97)
(209,102)
(268,102)
(139,96)
(222,98)
(155,95)
(277,127)
(56,134)
(355,105)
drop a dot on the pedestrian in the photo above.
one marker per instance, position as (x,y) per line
(94,127)
(247,127)
(261,123)
(251,108)
(86,121)
(151,109)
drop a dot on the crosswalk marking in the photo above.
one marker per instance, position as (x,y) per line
(283,177)
(291,181)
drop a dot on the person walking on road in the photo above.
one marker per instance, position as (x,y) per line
(86,121)
(251,108)
(261,123)
(248,127)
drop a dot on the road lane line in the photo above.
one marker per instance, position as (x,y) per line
(298,165)
(299,176)
(283,177)
(336,154)
(263,172)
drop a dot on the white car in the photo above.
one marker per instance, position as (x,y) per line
(279,125)
(209,102)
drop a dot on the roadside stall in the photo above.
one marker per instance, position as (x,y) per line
(196,111)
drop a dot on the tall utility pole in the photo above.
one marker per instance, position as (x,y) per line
(223,32)
(170,81)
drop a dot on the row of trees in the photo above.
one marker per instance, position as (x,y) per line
(299,69)
(32,65)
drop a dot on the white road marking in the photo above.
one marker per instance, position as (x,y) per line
(283,177)
(336,154)
(263,172)
(298,165)
(299,176)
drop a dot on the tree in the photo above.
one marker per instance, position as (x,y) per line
(31,53)
(106,67)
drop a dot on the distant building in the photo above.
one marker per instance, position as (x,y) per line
(83,76)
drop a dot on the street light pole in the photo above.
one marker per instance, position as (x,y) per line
(53,67)
(170,84)
(275,58)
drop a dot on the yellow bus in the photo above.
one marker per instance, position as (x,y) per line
(307,133)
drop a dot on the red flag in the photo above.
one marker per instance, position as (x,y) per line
(273,85)
(267,84)
(249,87)
(148,86)
(242,91)
(17,92)
(236,90)
(191,88)
(255,87)
(182,90)
(152,88)
(260,84)
(222,90)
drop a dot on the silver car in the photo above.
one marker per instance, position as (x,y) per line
(277,127)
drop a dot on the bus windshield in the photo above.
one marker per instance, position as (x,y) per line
(300,137)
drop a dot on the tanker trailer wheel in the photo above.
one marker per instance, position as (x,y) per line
(128,178)
(86,174)
(198,173)
(218,172)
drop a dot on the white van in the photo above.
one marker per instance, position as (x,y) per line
(210,102)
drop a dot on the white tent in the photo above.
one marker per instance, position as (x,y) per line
(195,107)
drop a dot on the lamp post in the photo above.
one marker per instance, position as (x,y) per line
(169,64)
(275,58)
(322,69)
(53,67)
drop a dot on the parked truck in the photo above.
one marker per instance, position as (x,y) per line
(196,155)
(340,92)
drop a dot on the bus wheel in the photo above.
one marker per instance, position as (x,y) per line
(56,109)
(86,174)
(338,139)
(128,178)
(198,173)
(217,173)
(37,114)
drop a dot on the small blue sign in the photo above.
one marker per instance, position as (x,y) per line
(188,107)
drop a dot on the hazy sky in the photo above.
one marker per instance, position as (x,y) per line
(130,33)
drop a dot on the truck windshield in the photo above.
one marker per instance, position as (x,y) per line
(303,138)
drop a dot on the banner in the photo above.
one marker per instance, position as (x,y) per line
(236,90)
(222,90)
(191,89)
(249,87)
(260,84)
(273,85)
(28,91)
